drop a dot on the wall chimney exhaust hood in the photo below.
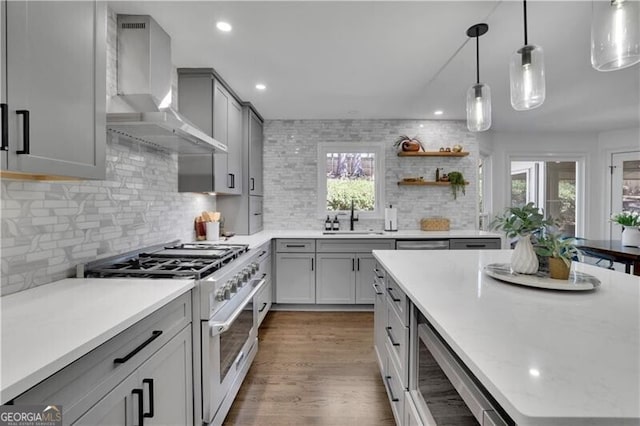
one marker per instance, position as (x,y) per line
(142,108)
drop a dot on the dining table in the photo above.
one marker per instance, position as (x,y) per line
(613,250)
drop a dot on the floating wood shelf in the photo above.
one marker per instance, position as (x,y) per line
(426,183)
(431,154)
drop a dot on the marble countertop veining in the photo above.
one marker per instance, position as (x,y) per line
(74,316)
(260,238)
(548,357)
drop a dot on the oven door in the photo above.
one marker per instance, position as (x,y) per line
(227,341)
(444,391)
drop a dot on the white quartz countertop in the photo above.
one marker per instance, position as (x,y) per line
(264,236)
(48,327)
(548,357)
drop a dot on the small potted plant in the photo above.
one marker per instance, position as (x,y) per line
(522,223)
(630,222)
(560,251)
(457,183)
(408,144)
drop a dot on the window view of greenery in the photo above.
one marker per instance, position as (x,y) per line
(350,177)
(551,181)
(631,186)
(518,190)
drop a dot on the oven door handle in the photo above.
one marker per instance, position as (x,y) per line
(219,327)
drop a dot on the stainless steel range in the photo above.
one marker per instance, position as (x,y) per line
(224,315)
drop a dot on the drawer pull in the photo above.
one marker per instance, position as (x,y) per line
(390,336)
(376,272)
(4,111)
(154,335)
(138,392)
(395,299)
(263,252)
(393,398)
(263,307)
(151,398)
(25,131)
(376,289)
(475,245)
(295,245)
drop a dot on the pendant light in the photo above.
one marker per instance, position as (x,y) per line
(526,72)
(479,94)
(615,34)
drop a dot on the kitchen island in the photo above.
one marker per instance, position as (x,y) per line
(547,357)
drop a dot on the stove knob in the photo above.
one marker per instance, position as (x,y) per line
(220,295)
(239,279)
(255,267)
(233,286)
(247,273)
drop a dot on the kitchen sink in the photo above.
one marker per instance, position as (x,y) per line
(352,233)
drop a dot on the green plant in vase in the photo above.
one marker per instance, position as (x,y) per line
(560,251)
(456,179)
(522,223)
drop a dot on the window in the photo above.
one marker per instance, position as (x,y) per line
(351,173)
(550,185)
(484,191)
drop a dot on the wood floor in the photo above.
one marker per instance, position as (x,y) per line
(313,368)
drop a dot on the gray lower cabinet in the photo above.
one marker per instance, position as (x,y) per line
(151,361)
(335,278)
(295,278)
(54,88)
(160,390)
(344,278)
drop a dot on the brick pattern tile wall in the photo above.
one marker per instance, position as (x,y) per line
(49,227)
(290,171)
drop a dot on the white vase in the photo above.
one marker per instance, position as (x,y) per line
(631,236)
(524,259)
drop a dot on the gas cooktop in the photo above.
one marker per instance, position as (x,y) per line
(173,260)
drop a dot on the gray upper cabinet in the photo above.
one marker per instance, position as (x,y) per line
(255,154)
(207,103)
(54,88)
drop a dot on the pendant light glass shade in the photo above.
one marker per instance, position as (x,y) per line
(615,34)
(478,107)
(526,72)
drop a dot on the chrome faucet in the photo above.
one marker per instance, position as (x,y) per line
(352,218)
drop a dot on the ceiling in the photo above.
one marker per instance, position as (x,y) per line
(362,59)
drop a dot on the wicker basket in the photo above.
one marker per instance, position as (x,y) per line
(434,224)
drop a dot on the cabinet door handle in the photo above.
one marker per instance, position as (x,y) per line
(253,184)
(312,263)
(358,264)
(151,397)
(390,336)
(353,264)
(139,393)
(4,111)
(154,335)
(393,398)
(232,181)
(263,307)
(25,131)
(395,299)
(257,214)
(375,288)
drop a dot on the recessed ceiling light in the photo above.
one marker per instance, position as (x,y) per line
(438,112)
(223,26)
(422,125)
(260,86)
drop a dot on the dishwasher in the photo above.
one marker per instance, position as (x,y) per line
(422,245)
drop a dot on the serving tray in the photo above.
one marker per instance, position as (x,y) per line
(577,280)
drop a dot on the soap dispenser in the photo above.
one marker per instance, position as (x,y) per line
(336,223)
(327,224)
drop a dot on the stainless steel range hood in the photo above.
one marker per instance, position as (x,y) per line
(142,109)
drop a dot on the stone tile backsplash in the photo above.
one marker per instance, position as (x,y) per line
(290,171)
(49,227)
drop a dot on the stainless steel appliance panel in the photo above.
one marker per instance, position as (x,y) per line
(422,245)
